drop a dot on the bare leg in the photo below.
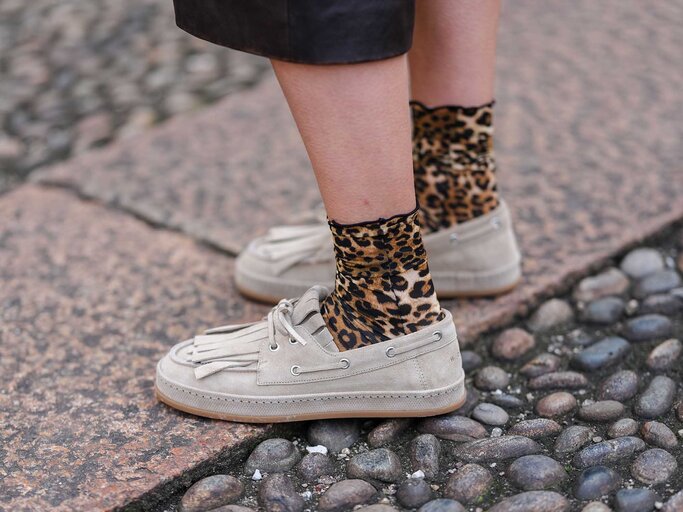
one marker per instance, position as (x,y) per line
(355,123)
(452,61)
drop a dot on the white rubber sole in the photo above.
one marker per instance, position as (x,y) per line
(278,409)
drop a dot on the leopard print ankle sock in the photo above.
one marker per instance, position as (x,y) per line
(455,170)
(383,288)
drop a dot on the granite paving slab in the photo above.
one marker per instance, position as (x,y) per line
(90,299)
(589,129)
(222,175)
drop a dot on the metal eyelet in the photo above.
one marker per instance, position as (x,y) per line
(345,363)
(293,341)
(453,238)
(495,222)
(295,370)
(274,348)
(437,335)
(390,352)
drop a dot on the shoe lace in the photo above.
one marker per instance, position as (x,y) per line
(280,320)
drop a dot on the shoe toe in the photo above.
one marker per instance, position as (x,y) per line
(176,367)
(253,260)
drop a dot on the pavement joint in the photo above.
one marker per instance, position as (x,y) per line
(83,195)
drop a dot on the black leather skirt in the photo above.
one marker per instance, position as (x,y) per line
(306,31)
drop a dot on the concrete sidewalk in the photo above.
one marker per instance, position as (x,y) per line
(100,278)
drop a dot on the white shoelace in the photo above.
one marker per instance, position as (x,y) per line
(280,320)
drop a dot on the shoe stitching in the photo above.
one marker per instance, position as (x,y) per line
(303,400)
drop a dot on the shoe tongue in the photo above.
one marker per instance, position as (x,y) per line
(306,316)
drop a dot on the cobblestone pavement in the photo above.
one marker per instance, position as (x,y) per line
(578,407)
(80,73)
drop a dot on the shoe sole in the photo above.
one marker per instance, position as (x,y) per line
(447,287)
(396,411)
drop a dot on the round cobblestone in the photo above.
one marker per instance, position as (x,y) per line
(541,364)
(315,465)
(490,414)
(635,500)
(277,494)
(610,282)
(658,434)
(533,501)
(573,438)
(442,505)
(536,428)
(468,483)
(654,466)
(647,328)
(551,314)
(414,493)
(608,452)
(596,482)
(272,455)
(641,262)
(496,448)
(536,472)
(620,386)
(335,435)
(662,304)
(623,427)
(665,355)
(425,454)
(387,432)
(604,311)
(658,282)
(603,354)
(470,360)
(346,494)
(452,427)
(657,398)
(604,410)
(211,492)
(556,404)
(379,465)
(491,378)
(512,344)
(559,380)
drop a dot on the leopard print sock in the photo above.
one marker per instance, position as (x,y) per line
(455,170)
(383,288)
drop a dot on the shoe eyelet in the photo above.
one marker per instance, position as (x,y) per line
(453,238)
(295,370)
(292,341)
(274,348)
(390,352)
(437,335)
(345,363)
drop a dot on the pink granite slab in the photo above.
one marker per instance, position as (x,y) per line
(90,299)
(222,175)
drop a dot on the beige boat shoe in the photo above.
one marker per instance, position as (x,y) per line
(288,368)
(477,258)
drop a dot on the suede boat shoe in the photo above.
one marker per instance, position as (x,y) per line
(287,367)
(476,258)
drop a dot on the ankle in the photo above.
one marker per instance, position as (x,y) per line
(383,287)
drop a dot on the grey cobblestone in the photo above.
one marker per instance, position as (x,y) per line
(76,74)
